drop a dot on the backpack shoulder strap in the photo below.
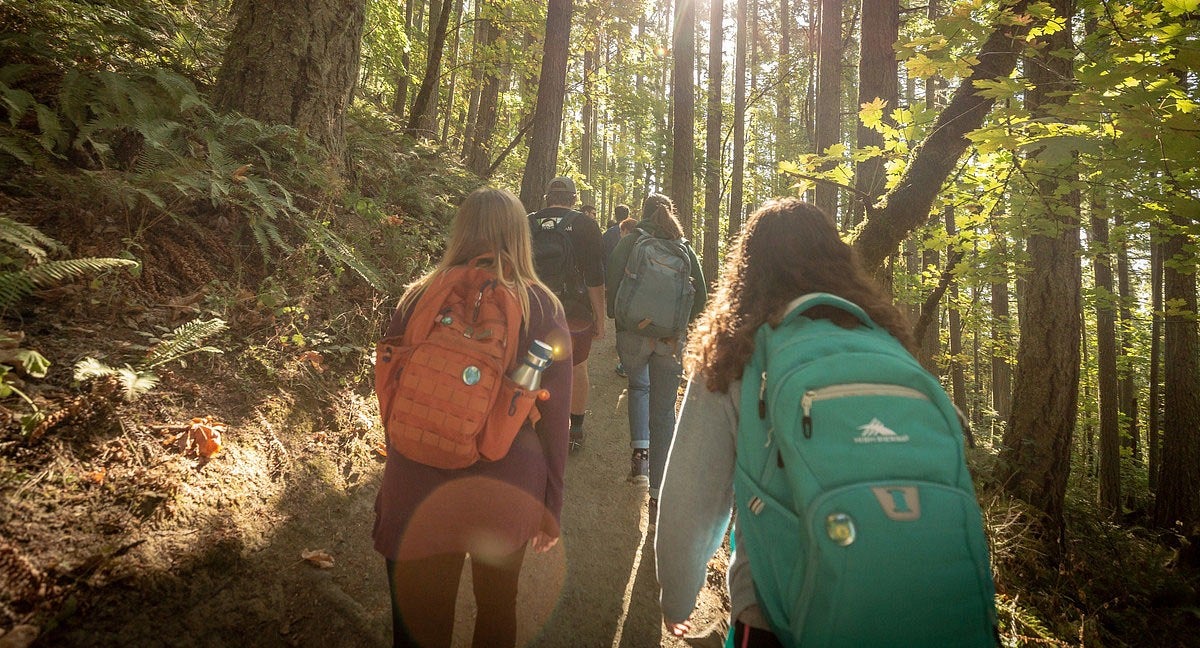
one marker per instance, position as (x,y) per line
(801,304)
(567,219)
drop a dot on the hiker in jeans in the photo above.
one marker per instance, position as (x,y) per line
(652,362)
(788,248)
(427,519)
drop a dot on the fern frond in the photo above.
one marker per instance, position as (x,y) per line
(90,367)
(337,250)
(184,340)
(28,239)
(135,383)
(54,272)
(14,286)
(14,147)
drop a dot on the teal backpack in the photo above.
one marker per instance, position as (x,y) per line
(656,294)
(855,505)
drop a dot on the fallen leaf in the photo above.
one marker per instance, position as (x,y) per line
(318,557)
(96,476)
(313,358)
(204,436)
(380,448)
(320,437)
(240,174)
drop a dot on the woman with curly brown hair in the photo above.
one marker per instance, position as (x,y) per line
(789,248)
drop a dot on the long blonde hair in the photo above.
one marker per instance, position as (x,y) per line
(489,221)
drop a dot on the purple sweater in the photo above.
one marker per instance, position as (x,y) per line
(491,506)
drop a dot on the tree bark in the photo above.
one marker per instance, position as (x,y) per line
(1177,501)
(877,79)
(683,95)
(737,174)
(1154,450)
(1131,433)
(479,140)
(1001,341)
(542,161)
(400,103)
(958,380)
(712,144)
(907,206)
(296,63)
(829,98)
(589,126)
(783,93)
(1037,445)
(422,121)
(449,119)
(1109,463)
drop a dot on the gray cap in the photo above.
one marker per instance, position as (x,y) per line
(561,183)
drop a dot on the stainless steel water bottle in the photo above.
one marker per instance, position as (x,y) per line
(528,373)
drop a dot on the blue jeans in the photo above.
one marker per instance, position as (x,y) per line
(653,368)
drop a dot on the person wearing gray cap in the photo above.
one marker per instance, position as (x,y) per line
(568,257)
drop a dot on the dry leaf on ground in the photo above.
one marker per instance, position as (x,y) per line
(203,436)
(318,557)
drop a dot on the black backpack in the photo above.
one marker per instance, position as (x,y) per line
(554,261)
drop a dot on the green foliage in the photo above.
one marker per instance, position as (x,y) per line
(24,266)
(138,379)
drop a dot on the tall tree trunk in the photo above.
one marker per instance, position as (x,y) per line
(877,79)
(400,103)
(931,337)
(958,380)
(1106,360)
(1037,445)
(683,95)
(449,116)
(1001,340)
(422,121)
(478,34)
(737,174)
(907,206)
(1131,434)
(1178,498)
(589,124)
(294,63)
(829,97)
(1154,451)
(479,140)
(712,143)
(541,164)
(783,94)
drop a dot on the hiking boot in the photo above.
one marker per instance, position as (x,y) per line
(621,370)
(576,439)
(639,470)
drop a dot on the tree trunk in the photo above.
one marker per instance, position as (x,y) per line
(478,33)
(1177,501)
(958,380)
(683,96)
(877,79)
(907,206)
(783,93)
(829,97)
(1154,449)
(294,63)
(1001,341)
(1131,433)
(449,116)
(1037,445)
(422,121)
(542,162)
(589,125)
(479,140)
(712,144)
(400,103)
(737,174)
(1106,360)
(930,339)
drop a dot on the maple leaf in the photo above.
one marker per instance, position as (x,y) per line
(318,557)
(95,476)
(871,112)
(204,436)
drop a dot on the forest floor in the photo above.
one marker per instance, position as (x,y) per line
(128,541)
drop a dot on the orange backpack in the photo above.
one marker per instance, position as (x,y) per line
(444,395)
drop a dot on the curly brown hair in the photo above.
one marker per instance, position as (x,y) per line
(788,248)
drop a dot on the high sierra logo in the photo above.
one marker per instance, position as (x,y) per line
(877,432)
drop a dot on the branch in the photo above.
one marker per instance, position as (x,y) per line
(929,308)
(511,145)
(907,206)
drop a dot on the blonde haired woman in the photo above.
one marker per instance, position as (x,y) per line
(428,520)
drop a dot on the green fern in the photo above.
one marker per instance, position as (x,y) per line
(184,340)
(338,251)
(140,379)
(28,239)
(50,273)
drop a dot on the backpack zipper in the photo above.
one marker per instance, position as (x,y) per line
(850,389)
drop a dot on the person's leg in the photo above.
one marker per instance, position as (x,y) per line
(580,384)
(634,352)
(423,596)
(495,583)
(665,370)
(581,348)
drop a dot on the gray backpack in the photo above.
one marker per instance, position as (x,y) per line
(656,293)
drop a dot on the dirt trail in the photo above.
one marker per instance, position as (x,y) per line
(244,584)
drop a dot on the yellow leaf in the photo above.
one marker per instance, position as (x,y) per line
(871,113)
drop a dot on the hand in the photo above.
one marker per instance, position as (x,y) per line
(598,329)
(678,629)
(543,542)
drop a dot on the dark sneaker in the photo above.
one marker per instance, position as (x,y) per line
(639,467)
(621,370)
(576,439)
